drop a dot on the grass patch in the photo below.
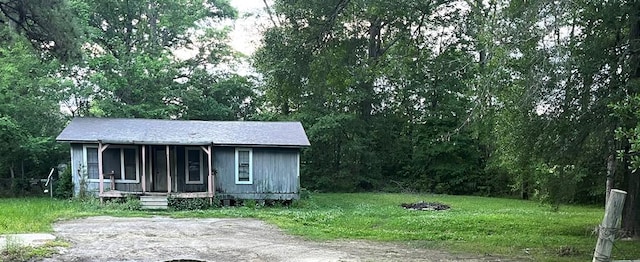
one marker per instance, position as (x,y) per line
(32,215)
(504,227)
(15,250)
(25,215)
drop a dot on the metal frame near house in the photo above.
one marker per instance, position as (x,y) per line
(189,159)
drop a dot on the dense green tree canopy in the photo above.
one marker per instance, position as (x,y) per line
(134,65)
(29,113)
(48,25)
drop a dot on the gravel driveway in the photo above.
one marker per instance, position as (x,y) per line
(212,239)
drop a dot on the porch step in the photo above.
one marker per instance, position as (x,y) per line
(154,202)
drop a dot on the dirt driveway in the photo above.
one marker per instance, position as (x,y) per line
(168,239)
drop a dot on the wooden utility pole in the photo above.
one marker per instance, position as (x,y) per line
(609,226)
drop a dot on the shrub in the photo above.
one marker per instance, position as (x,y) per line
(130,203)
(190,203)
(304,193)
(84,193)
(252,203)
(89,203)
(64,185)
(556,184)
(20,187)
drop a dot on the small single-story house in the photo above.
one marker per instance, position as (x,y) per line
(192,159)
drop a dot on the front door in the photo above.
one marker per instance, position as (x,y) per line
(159,170)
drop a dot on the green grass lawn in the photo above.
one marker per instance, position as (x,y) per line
(23,215)
(480,225)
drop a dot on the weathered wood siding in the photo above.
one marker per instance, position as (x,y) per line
(76,162)
(275,173)
(93,187)
(79,170)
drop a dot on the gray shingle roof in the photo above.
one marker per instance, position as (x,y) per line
(183,132)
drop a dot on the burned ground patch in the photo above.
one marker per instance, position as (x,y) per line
(426,206)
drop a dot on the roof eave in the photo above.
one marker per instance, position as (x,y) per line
(262,145)
(120,142)
(124,142)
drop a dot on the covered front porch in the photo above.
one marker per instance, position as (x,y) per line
(180,171)
(118,193)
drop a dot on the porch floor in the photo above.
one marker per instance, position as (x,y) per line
(117,193)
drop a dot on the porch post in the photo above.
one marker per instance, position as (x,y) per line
(210,165)
(168,171)
(144,169)
(100,175)
(210,184)
(101,148)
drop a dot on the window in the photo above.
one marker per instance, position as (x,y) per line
(244,166)
(91,156)
(111,163)
(194,165)
(129,164)
(121,161)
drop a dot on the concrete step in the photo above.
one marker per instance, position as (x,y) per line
(154,202)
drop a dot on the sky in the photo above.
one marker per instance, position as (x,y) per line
(246,34)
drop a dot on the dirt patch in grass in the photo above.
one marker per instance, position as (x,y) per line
(169,239)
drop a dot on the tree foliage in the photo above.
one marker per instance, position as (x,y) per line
(29,113)
(139,63)
(48,25)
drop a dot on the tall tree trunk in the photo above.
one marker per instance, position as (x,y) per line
(630,223)
(630,220)
(12,171)
(524,190)
(373,53)
(284,107)
(611,172)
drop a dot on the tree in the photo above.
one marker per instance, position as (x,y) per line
(626,110)
(29,111)
(379,93)
(134,69)
(35,36)
(569,63)
(48,25)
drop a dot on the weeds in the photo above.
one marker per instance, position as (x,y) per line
(129,203)
(250,203)
(15,250)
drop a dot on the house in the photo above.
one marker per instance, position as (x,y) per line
(191,159)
